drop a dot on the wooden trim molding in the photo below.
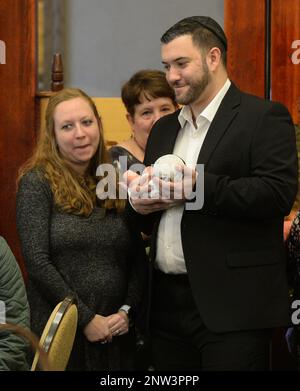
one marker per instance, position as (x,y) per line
(17,102)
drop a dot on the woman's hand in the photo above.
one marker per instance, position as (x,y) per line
(98,330)
(118,323)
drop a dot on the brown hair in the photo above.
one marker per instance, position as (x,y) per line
(149,83)
(72,193)
(206,33)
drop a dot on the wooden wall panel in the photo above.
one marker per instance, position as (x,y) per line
(244,23)
(17,105)
(285,75)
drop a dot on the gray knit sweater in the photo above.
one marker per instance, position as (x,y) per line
(97,258)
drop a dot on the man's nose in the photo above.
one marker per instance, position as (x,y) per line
(173,75)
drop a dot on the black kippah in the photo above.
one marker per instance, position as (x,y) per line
(211,25)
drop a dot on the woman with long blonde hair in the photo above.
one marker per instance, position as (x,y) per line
(75,243)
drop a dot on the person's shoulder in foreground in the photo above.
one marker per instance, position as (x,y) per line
(15,310)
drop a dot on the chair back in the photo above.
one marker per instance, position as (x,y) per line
(58,336)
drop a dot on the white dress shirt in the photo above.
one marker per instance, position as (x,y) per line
(169,254)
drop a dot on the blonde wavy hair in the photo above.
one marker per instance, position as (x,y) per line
(72,193)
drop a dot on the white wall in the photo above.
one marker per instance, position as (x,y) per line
(108,40)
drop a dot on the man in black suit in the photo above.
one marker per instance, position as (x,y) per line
(219,277)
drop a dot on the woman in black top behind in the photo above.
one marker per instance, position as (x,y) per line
(147,96)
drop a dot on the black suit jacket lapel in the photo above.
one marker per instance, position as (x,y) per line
(226,112)
(169,127)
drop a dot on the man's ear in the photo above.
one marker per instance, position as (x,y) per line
(213,58)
